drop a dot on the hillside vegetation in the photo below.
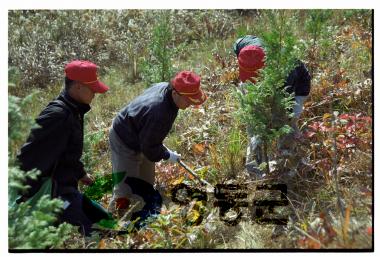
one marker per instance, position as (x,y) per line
(329,197)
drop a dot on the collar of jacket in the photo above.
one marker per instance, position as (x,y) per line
(168,95)
(79,107)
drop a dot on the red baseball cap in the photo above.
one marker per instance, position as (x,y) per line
(251,59)
(86,73)
(188,84)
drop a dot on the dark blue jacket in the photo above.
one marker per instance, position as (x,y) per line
(144,123)
(55,146)
(298,80)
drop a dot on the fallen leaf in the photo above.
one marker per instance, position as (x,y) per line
(326,116)
(102,244)
(199,148)
(178,181)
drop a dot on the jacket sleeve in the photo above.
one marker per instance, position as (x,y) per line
(303,81)
(81,172)
(151,137)
(47,141)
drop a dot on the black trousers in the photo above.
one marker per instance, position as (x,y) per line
(82,212)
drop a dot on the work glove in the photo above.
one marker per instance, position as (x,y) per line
(174,156)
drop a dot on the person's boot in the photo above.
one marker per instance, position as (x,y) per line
(254,157)
(251,164)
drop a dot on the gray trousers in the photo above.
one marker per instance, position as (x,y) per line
(286,143)
(127,163)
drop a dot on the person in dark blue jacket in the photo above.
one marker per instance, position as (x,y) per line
(55,146)
(136,137)
(250,52)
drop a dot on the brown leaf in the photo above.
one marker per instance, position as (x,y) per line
(102,244)
(346,222)
(148,235)
(199,148)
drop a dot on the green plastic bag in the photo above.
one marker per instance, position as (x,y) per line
(45,189)
(98,214)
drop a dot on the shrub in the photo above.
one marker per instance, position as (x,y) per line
(92,148)
(158,65)
(233,154)
(41,41)
(266,104)
(18,123)
(29,227)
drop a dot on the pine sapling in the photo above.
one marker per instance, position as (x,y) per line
(266,105)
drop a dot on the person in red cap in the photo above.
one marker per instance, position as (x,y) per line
(55,146)
(250,52)
(136,137)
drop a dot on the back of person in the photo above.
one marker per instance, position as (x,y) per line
(136,143)
(247,40)
(147,120)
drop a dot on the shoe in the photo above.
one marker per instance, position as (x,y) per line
(252,168)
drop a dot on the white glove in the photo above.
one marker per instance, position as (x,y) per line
(174,156)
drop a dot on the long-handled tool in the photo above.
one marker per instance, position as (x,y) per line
(209,187)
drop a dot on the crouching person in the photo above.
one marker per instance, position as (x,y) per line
(136,142)
(250,52)
(55,146)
